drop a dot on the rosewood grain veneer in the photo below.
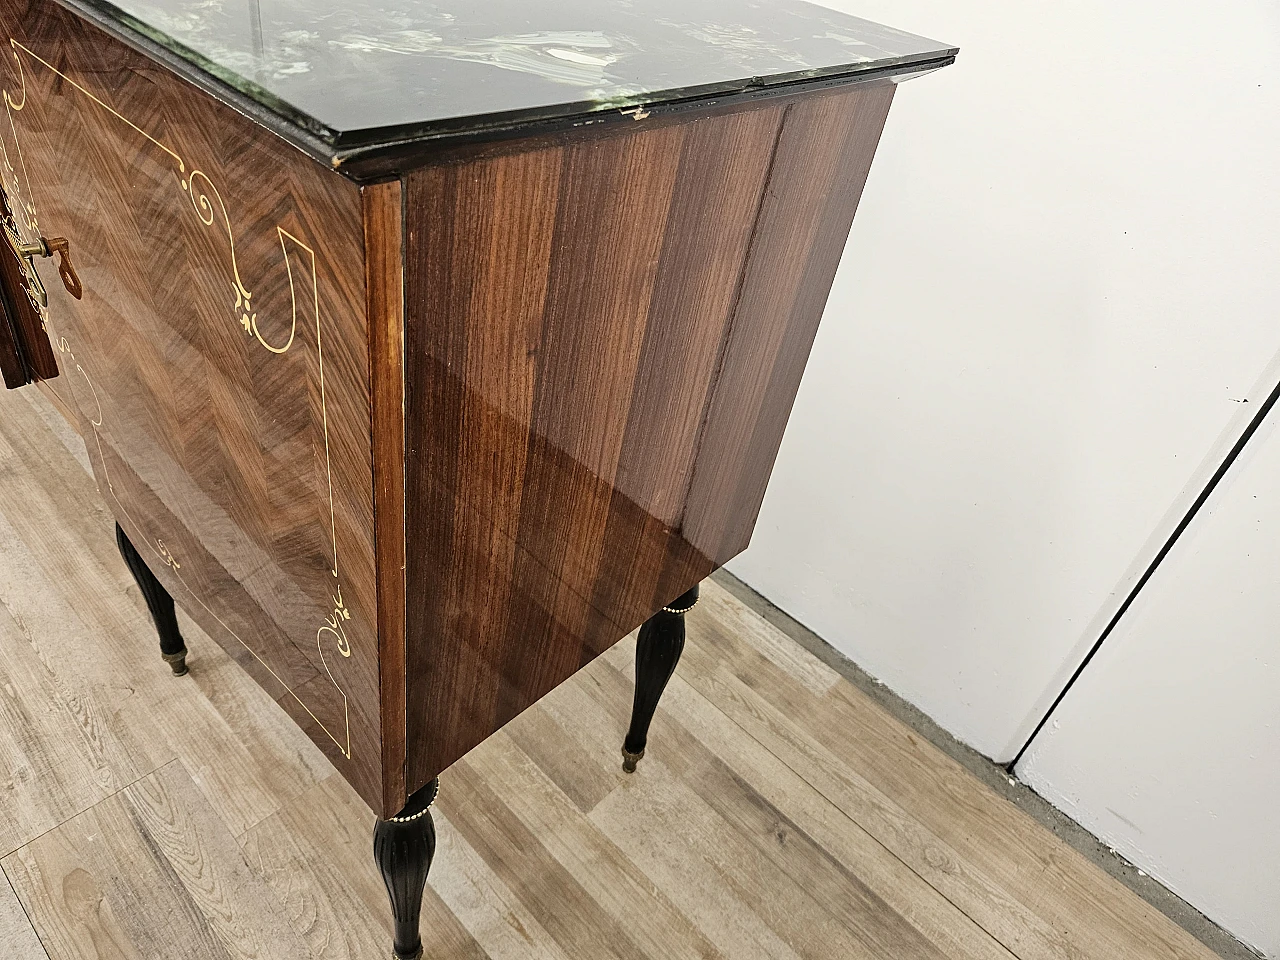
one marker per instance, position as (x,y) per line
(420,377)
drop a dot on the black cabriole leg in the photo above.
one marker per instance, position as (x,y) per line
(403,848)
(172,647)
(658,651)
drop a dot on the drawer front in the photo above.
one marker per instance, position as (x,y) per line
(216,357)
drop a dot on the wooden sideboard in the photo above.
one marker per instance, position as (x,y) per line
(419,395)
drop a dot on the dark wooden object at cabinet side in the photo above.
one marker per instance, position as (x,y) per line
(218,363)
(13,372)
(25,352)
(603,339)
(13,364)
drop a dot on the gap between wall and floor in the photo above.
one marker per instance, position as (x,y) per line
(999,778)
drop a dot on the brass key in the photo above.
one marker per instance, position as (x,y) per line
(41,247)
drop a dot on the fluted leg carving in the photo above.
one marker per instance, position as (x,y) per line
(403,848)
(658,651)
(172,647)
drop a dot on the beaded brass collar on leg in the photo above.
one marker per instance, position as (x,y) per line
(683,609)
(421,813)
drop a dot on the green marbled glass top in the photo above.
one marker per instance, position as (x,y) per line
(358,72)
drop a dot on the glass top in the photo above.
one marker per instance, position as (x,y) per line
(361,71)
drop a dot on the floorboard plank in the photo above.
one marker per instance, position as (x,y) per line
(621,888)
(779,813)
(500,923)
(692,857)
(150,872)
(581,927)
(16,933)
(66,586)
(47,771)
(336,901)
(1040,898)
(723,742)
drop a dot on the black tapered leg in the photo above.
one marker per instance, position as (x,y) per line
(403,848)
(658,651)
(172,647)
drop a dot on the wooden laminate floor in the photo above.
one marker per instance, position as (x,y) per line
(779,813)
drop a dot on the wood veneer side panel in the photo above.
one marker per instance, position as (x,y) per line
(520,431)
(480,242)
(384,299)
(647,562)
(565,312)
(615,200)
(823,158)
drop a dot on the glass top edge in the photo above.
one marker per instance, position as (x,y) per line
(330,128)
(583,113)
(221,82)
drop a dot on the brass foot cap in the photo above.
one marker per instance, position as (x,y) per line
(177,662)
(629,760)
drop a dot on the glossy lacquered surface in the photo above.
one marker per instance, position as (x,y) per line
(604,338)
(351,73)
(415,453)
(217,363)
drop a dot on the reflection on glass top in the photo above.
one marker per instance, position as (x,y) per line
(344,67)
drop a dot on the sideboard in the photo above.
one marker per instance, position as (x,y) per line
(422,355)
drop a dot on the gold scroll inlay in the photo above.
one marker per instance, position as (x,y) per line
(209,206)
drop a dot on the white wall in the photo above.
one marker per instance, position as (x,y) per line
(1168,746)
(1064,276)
